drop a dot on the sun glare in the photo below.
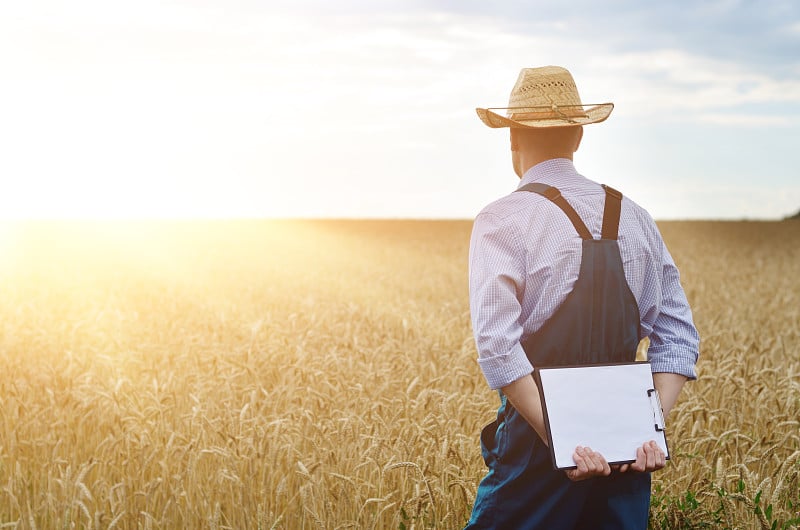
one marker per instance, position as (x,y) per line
(7,236)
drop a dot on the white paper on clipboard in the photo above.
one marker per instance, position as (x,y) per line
(612,408)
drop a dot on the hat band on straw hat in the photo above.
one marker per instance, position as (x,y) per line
(543,112)
(545,115)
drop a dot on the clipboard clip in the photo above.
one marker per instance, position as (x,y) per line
(658,411)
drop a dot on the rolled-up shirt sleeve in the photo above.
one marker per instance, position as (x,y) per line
(496,283)
(674,341)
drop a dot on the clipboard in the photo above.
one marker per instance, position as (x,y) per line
(612,408)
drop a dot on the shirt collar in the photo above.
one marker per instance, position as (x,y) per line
(557,172)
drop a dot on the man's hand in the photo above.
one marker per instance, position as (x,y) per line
(590,464)
(649,457)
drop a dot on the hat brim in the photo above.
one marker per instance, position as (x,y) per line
(593,114)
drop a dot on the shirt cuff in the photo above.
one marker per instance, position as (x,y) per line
(675,360)
(502,370)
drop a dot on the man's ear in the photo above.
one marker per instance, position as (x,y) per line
(580,137)
(514,139)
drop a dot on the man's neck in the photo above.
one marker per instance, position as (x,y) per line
(529,159)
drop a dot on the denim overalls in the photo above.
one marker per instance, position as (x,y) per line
(598,322)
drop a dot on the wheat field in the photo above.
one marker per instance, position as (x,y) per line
(322,374)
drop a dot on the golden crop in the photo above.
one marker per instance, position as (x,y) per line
(322,374)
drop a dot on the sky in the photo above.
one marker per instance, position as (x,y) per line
(245,108)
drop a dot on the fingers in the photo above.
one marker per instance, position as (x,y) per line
(589,464)
(661,459)
(649,457)
(596,463)
(640,464)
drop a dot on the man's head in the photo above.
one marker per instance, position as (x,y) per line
(545,115)
(532,146)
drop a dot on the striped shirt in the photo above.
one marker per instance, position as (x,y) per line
(525,257)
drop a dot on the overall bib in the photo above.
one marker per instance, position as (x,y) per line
(598,322)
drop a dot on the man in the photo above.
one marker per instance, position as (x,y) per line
(566,271)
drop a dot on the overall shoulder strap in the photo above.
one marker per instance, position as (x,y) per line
(611,213)
(554,195)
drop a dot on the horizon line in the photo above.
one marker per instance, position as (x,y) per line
(146,219)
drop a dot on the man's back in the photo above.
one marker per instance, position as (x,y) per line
(532,244)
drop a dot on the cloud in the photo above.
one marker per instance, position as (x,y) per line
(748,120)
(351,70)
(433,64)
(683,84)
(793,28)
(280,99)
(748,33)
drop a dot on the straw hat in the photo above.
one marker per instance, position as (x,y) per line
(545,97)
